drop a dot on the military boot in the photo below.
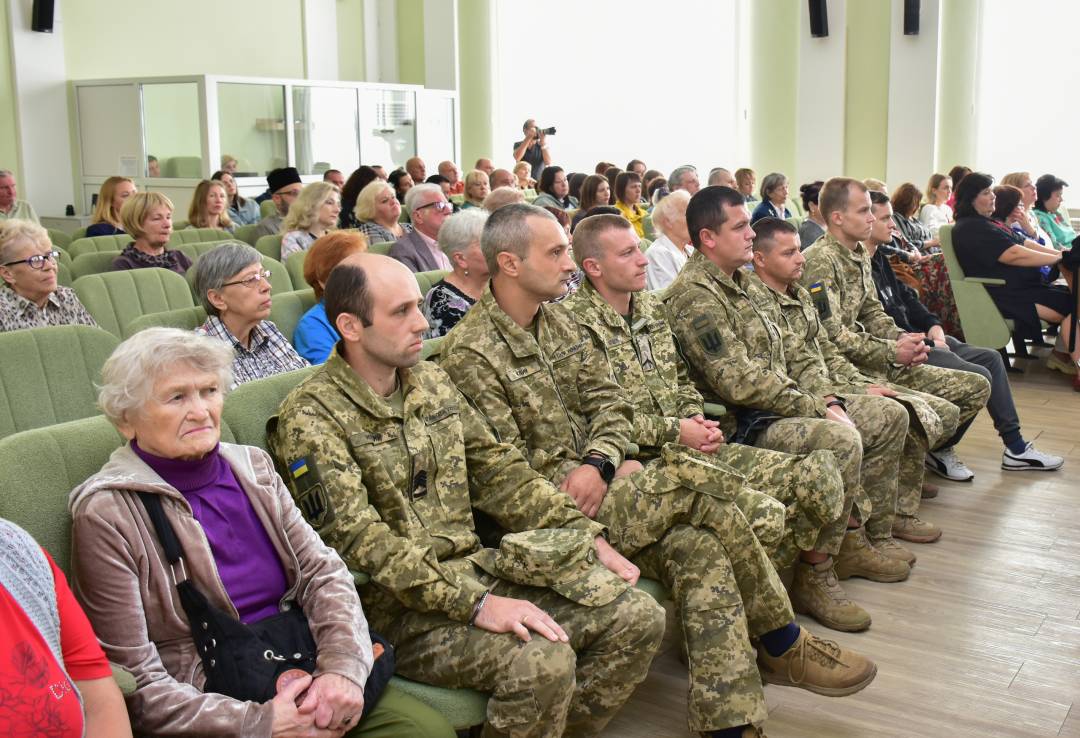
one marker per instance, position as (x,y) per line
(858,558)
(892,548)
(819,666)
(910,528)
(816,592)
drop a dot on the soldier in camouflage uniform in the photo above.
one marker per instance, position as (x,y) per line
(387,460)
(543,386)
(627,324)
(839,278)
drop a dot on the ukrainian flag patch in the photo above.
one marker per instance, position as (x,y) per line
(298,468)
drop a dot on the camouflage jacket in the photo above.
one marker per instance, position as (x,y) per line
(842,288)
(644,361)
(553,396)
(813,360)
(393,491)
(734,349)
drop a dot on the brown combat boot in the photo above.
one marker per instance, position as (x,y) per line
(819,666)
(892,548)
(857,558)
(910,528)
(816,592)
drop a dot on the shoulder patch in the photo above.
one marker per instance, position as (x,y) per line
(819,293)
(708,335)
(310,493)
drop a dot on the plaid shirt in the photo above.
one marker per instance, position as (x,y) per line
(269,352)
(63,308)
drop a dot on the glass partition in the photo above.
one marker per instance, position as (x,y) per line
(251,121)
(172,129)
(388,135)
(326,128)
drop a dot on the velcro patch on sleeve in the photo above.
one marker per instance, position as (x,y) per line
(819,293)
(708,335)
(310,493)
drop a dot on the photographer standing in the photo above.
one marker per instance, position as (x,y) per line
(534,148)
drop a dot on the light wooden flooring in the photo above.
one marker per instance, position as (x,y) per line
(983,639)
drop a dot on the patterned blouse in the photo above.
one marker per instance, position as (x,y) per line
(62,308)
(444,306)
(269,352)
(132,258)
(377,234)
(294,242)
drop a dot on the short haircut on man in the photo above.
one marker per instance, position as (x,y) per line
(348,290)
(677,174)
(877,197)
(328,172)
(716,174)
(418,192)
(836,193)
(707,210)
(589,232)
(508,230)
(766,230)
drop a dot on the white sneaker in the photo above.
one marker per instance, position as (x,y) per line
(1031,459)
(944,463)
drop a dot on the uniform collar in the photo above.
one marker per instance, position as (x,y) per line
(858,254)
(737,282)
(602,309)
(360,392)
(790,297)
(520,341)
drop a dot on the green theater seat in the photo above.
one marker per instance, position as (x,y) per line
(196,249)
(96,244)
(59,238)
(270,246)
(288,308)
(294,265)
(197,235)
(93,263)
(246,233)
(427,280)
(187,319)
(117,298)
(383,247)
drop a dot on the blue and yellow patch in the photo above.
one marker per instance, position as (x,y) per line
(298,468)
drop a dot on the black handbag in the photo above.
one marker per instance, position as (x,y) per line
(750,424)
(245,661)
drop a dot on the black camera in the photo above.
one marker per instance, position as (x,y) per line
(547,131)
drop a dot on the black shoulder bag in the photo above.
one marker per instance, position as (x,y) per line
(244,661)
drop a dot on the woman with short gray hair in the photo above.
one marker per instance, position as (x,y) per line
(234,288)
(774,195)
(451,297)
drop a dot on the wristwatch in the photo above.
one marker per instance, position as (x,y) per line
(603,465)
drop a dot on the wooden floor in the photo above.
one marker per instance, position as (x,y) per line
(983,639)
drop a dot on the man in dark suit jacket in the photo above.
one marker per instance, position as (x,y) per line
(419,250)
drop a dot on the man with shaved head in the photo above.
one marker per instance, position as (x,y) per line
(387,460)
(502,178)
(485,166)
(416,168)
(450,170)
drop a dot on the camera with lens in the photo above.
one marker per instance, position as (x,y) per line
(546,131)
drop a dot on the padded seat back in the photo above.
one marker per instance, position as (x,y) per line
(427,279)
(979,317)
(196,235)
(382,247)
(59,238)
(97,244)
(63,274)
(246,233)
(184,167)
(77,234)
(197,249)
(94,263)
(279,277)
(294,265)
(187,319)
(117,298)
(267,207)
(288,308)
(47,375)
(270,245)
(249,406)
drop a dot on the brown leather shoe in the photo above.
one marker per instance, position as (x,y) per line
(910,528)
(819,666)
(858,558)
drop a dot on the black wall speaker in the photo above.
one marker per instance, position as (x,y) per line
(911,17)
(41,19)
(819,18)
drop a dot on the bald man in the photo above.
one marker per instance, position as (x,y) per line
(416,168)
(393,462)
(502,178)
(485,166)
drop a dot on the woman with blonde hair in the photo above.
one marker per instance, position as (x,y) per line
(523,175)
(147,217)
(1030,223)
(477,187)
(242,211)
(378,210)
(314,214)
(106,218)
(937,212)
(210,207)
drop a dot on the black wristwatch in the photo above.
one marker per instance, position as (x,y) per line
(603,465)
(836,402)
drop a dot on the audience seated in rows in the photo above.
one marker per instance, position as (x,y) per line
(595,192)
(402,182)
(813,226)
(30,296)
(937,211)
(419,250)
(443,182)
(11,207)
(450,298)
(671,249)
(147,217)
(611,174)
(523,176)
(210,207)
(1052,216)
(1029,224)
(163,389)
(314,337)
(377,213)
(554,190)
(361,177)
(657,191)
(502,196)
(650,175)
(284,186)
(774,195)
(105,220)
(574,183)
(477,187)
(233,287)
(314,214)
(241,210)
(628,199)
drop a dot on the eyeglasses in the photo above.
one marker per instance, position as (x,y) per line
(439,205)
(252,280)
(37,261)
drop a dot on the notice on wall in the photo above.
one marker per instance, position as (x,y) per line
(129,166)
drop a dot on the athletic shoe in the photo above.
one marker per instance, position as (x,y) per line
(817,665)
(1057,364)
(1031,460)
(945,463)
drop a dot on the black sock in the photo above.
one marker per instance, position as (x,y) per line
(778,641)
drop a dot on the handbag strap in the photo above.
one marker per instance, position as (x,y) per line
(165,532)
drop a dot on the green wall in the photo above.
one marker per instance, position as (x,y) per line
(774,49)
(350,37)
(956,92)
(9,149)
(475,92)
(410,40)
(866,109)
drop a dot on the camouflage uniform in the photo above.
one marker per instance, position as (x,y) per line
(551,393)
(737,355)
(841,284)
(650,371)
(392,486)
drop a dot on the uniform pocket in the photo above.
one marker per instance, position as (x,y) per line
(518,708)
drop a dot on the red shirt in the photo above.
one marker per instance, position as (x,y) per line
(36,699)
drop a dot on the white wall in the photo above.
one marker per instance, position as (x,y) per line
(320,39)
(819,146)
(913,75)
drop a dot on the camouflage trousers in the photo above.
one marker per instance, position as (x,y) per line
(538,689)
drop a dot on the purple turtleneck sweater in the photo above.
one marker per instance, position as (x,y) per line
(247,562)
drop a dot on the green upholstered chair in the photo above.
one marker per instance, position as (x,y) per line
(59,238)
(246,233)
(432,348)
(77,234)
(795,206)
(180,224)
(426,280)
(980,318)
(188,319)
(194,250)
(648,227)
(117,298)
(63,274)
(93,263)
(644,244)
(294,265)
(458,200)
(383,247)
(270,245)
(65,257)
(288,308)
(530,194)
(279,276)
(47,375)
(250,405)
(96,244)
(197,235)
(182,167)
(267,208)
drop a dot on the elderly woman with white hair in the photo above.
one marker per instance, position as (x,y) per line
(31,296)
(189,554)
(379,212)
(668,253)
(314,214)
(234,288)
(451,297)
